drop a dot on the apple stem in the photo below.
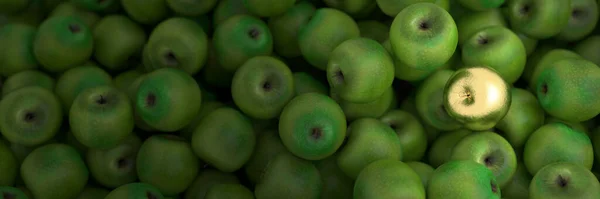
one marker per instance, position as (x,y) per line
(170,59)
(267,86)
(29,117)
(544,88)
(316,133)
(74,28)
(102,100)
(562,181)
(123,163)
(524,10)
(150,99)
(424,25)
(253,33)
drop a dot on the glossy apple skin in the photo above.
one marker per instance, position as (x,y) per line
(477,97)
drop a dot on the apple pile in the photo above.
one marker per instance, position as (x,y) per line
(299,99)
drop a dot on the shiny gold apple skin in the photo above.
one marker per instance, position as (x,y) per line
(477,97)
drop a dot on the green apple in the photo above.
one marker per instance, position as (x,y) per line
(547,145)
(492,151)
(574,125)
(96,5)
(529,43)
(393,7)
(582,20)
(115,167)
(17,55)
(360,70)
(213,74)
(423,36)
(496,47)
(30,116)
(13,6)
(223,191)
(374,109)
(471,178)
(167,99)
(117,40)
(32,15)
(286,27)
(534,58)
(441,148)
(481,4)
(336,184)
(230,152)
(430,104)
(205,180)
(351,7)
(68,8)
(268,8)
(547,60)
(405,72)
(101,117)
(518,187)
(588,49)
(262,86)
(76,80)
(207,107)
(312,126)
(268,146)
(228,8)
(63,42)
(410,131)
(25,79)
(373,29)
(54,171)
(168,163)
(477,97)
(524,116)
(148,12)
(306,83)
(124,79)
(93,192)
(564,180)
(9,166)
(12,193)
(369,140)
(388,178)
(474,21)
(191,8)
(327,29)
(240,38)
(135,190)
(580,104)
(539,19)
(176,43)
(288,176)
(423,170)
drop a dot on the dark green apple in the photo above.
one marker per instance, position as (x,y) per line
(32,15)
(240,38)
(12,193)
(262,86)
(167,99)
(54,171)
(268,8)
(580,78)
(124,79)
(207,107)
(441,148)
(518,187)
(481,4)
(191,8)
(176,43)
(63,42)
(223,191)
(373,29)
(388,178)
(225,139)
(423,36)
(327,29)
(27,78)
(547,145)
(168,163)
(68,8)
(213,74)
(588,49)
(30,116)
(582,20)
(135,190)
(17,54)
(474,21)
(496,47)
(288,176)
(228,8)
(96,5)
(374,109)
(13,6)
(74,81)
(368,141)
(410,131)
(312,126)
(564,180)
(473,179)
(351,7)
(336,184)
(114,167)
(93,192)
(477,97)
(148,12)
(360,70)
(117,40)
(268,146)
(205,180)
(548,59)
(101,117)
(306,83)
(9,166)
(524,116)
(393,7)
(539,19)
(430,104)
(286,27)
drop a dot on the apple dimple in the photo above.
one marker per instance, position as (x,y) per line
(150,100)
(489,161)
(525,9)
(170,59)
(29,117)
(267,86)
(74,28)
(151,195)
(562,181)
(424,25)
(544,88)
(482,40)
(101,100)
(253,33)
(316,133)
(123,163)
(339,76)
(9,195)
(577,13)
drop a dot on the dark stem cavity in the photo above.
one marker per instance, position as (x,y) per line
(150,195)
(489,161)
(483,40)
(170,59)
(29,117)
(577,13)
(393,126)
(9,195)
(253,33)
(494,187)
(123,163)
(267,86)
(101,100)
(424,25)
(544,88)
(562,181)
(316,133)
(74,28)
(339,76)
(150,100)
(525,9)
